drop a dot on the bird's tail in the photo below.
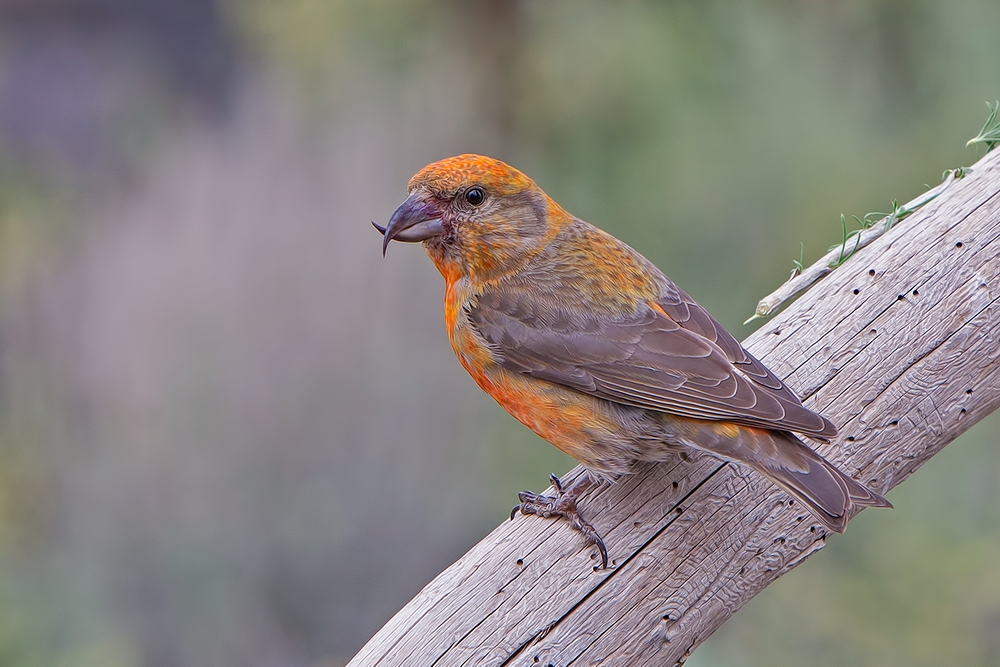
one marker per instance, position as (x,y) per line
(823,488)
(827,492)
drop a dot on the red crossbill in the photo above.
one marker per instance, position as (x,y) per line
(589,345)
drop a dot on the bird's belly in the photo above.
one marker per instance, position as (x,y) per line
(572,421)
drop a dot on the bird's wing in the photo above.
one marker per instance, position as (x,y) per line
(670,356)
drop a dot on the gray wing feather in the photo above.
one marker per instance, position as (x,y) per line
(684,364)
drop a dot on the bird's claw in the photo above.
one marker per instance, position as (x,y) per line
(562,505)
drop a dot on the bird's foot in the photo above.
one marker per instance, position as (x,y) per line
(562,505)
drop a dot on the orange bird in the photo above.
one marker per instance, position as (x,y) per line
(589,345)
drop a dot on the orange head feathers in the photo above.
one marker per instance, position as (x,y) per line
(478,217)
(447,177)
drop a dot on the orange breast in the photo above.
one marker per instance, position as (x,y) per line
(566,418)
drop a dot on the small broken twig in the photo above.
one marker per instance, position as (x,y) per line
(805,278)
(802,279)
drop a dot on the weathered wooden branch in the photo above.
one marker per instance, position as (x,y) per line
(900,347)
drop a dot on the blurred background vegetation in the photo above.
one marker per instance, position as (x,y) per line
(232,434)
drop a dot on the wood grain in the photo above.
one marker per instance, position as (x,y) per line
(900,347)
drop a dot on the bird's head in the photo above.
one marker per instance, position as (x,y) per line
(475,215)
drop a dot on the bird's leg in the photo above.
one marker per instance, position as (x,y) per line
(563,505)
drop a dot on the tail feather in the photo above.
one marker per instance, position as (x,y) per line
(824,489)
(828,493)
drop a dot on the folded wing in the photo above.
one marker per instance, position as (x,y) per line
(670,356)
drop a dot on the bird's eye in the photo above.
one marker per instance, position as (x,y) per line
(475,196)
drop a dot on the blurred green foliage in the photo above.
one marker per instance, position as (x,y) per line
(137,526)
(743,127)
